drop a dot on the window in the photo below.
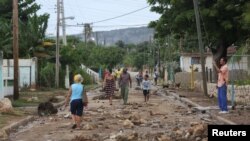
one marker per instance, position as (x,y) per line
(195,60)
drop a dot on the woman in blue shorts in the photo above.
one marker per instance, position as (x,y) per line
(76,96)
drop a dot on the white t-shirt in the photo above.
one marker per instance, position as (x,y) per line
(145,85)
(155,74)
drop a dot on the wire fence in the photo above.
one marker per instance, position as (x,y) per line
(239,75)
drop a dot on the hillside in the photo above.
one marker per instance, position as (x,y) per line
(128,35)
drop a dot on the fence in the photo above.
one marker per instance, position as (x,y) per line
(239,80)
(93,74)
(239,66)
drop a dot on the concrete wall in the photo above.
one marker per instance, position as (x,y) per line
(241,95)
(1,75)
(93,74)
(27,74)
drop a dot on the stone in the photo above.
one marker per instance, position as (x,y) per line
(135,116)
(163,138)
(143,121)
(187,135)
(205,139)
(194,123)
(101,118)
(60,97)
(67,115)
(197,138)
(198,130)
(151,113)
(155,125)
(131,137)
(5,105)
(128,124)
(3,135)
(126,112)
(179,132)
(100,110)
(89,127)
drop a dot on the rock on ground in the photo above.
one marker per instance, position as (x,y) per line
(5,105)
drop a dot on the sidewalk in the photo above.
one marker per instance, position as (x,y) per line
(239,115)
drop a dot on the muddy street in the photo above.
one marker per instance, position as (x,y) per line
(163,118)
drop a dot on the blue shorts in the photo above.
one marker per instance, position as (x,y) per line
(76,107)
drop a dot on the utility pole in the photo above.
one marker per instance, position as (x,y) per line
(63,24)
(96,34)
(197,17)
(15,49)
(57,44)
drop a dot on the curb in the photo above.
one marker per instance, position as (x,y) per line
(57,105)
(15,125)
(187,101)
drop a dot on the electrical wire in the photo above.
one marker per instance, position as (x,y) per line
(121,15)
(82,25)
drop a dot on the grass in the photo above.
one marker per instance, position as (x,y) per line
(33,98)
(24,103)
(7,117)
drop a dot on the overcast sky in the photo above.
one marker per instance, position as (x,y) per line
(88,11)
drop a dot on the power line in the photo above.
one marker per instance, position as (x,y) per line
(82,25)
(121,15)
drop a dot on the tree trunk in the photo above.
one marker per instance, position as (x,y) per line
(218,53)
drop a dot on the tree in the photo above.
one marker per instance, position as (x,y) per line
(32,27)
(221,21)
(120,44)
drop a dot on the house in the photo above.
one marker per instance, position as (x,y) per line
(187,59)
(27,74)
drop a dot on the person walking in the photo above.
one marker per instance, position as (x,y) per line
(124,82)
(76,96)
(139,78)
(146,86)
(109,85)
(155,76)
(222,84)
(118,73)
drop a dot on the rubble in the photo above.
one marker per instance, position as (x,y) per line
(46,108)
(5,105)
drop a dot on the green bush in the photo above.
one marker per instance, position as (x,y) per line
(47,75)
(242,82)
(87,78)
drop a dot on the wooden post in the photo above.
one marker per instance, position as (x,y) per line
(201,47)
(15,49)
(57,45)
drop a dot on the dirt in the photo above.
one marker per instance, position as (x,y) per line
(239,115)
(160,118)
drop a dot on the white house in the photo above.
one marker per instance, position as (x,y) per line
(187,59)
(27,74)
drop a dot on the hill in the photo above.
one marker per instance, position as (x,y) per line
(128,36)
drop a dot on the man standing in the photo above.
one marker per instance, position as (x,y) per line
(124,82)
(222,84)
(155,76)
